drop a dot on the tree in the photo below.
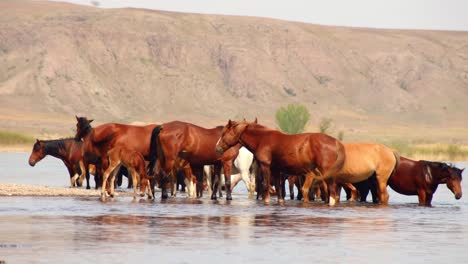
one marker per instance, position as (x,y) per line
(325,125)
(292,118)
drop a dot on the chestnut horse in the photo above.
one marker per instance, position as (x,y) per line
(194,144)
(99,140)
(135,164)
(68,150)
(312,154)
(363,160)
(423,177)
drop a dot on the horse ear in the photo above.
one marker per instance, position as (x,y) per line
(229,123)
(77,119)
(244,120)
(37,140)
(255,121)
(91,121)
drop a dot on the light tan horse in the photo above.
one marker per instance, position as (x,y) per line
(135,164)
(366,159)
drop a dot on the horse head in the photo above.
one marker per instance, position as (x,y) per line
(231,134)
(83,127)
(37,153)
(454,181)
(450,175)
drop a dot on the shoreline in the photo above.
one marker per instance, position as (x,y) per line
(412,151)
(14,189)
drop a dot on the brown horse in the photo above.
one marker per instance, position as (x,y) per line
(363,160)
(194,144)
(312,154)
(68,150)
(423,177)
(419,178)
(135,164)
(99,140)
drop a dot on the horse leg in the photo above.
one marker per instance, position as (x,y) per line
(373,188)
(136,178)
(382,185)
(86,164)
(276,176)
(227,166)
(111,182)
(353,190)
(332,191)
(266,171)
(82,175)
(422,196)
(309,178)
(71,173)
(197,173)
(106,174)
(215,182)
(428,199)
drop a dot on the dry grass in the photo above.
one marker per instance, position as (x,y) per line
(9,138)
(436,151)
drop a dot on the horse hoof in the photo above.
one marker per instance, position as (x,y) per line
(281,201)
(87,187)
(228,197)
(164,196)
(214,198)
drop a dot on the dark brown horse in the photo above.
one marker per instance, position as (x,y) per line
(68,150)
(194,144)
(99,140)
(316,155)
(421,178)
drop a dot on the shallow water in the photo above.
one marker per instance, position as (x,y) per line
(181,230)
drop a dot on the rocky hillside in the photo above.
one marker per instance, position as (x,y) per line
(58,60)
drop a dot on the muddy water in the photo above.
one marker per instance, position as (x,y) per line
(181,230)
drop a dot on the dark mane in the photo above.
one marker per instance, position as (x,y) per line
(55,145)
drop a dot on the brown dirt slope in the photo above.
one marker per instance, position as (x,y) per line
(57,60)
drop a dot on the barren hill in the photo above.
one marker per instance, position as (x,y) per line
(58,60)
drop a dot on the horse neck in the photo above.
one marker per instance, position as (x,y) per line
(437,176)
(250,138)
(57,149)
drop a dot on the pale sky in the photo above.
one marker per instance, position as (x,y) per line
(405,14)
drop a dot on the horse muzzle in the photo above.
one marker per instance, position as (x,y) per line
(458,196)
(32,163)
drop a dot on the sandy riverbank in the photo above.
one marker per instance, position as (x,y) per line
(12,189)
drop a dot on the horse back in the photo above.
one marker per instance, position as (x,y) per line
(408,176)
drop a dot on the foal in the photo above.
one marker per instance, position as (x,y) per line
(135,164)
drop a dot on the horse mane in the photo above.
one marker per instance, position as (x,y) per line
(54,145)
(443,165)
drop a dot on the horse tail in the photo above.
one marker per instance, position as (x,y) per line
(397,162)
(339,162)
(155,149)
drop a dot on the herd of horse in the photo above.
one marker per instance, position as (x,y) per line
(173,153)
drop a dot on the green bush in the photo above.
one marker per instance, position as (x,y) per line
(292,118)
(12,138)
